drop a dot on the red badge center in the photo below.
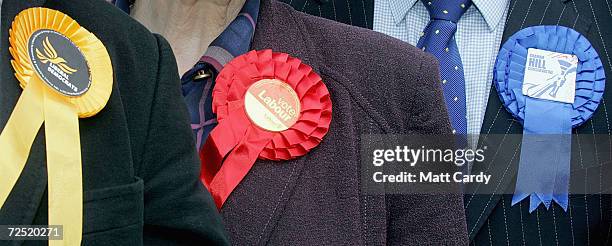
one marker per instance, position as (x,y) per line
(272,105)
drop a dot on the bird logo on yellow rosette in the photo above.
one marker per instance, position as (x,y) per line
(66,74)
(52,57)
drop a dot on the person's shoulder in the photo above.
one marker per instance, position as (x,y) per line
(389,74)
(140,58)
(112,26)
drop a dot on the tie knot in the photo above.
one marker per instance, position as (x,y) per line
(450,10)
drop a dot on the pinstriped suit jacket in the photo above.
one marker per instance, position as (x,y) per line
(491,220)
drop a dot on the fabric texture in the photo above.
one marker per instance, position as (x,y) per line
(438,38)
(406,20)
(491,218)
(140,169)
(352,12)
(308,199)
(317,199)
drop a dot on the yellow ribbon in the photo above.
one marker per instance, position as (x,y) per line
(60,113)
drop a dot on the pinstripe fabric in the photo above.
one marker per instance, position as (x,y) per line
(352,12)
(406,19)
(491,219)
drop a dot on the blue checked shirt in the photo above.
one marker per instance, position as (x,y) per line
(479,34)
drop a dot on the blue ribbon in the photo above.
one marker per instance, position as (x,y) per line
(544,164)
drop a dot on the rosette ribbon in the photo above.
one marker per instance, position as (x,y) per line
(544,166)
(40,102)
(238,141)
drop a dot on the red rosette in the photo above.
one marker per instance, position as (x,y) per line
(241,137)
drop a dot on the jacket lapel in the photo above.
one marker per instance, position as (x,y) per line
(24,200)
(503,152)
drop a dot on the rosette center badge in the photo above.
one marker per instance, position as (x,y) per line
(272,105)
(550,76)
(59,62)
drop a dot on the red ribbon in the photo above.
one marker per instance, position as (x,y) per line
(236,143)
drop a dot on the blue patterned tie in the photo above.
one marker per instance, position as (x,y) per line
(438,38)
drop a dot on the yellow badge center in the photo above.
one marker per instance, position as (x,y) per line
(272,105)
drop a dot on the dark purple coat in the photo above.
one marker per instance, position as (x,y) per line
(378,85)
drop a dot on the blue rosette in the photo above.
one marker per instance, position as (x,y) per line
(510,69)
(546,146)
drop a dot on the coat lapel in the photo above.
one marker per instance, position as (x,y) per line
(503,152)
(25,198)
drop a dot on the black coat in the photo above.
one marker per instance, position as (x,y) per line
(140,168)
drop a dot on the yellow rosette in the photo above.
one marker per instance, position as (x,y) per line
(66,74)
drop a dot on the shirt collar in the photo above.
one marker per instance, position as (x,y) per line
(236,39)
(492,11)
